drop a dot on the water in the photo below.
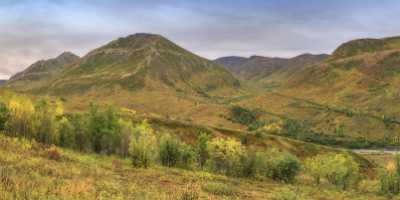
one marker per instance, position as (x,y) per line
(376,151)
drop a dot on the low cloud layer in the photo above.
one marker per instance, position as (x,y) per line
(33,30)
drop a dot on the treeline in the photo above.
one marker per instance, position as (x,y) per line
(101,129)
(301,130)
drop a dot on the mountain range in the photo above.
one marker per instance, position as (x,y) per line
(259,67)
(354,89)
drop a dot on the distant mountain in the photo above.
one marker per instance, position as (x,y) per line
(2,82)
(41,71)
(259,67)
(142,61)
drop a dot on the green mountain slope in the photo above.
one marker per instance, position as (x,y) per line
(143,61)
(352,94)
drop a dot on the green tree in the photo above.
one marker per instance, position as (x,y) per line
(282,166)
(202,148)
(142,148)
(103,128)
(225,156)
(66,131)
(173,152)
(4,115)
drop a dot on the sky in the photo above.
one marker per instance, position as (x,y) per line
(31,30)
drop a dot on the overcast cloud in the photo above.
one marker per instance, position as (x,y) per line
(34,30)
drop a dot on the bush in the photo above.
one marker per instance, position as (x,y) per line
(53,153)
(66,131)
(142,148)
(243,115)
(173,152)
(3,115)
(202,148)
(103,128)
(338,169)
(390,178)
(282,166)
(225,156)
(251,164)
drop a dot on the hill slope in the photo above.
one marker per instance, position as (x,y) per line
(41,71)
(258,67)
(352,94)
(143,61)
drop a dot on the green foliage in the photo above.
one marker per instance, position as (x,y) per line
(45,121)
(67,134)
(142,148)
(338,169)
(282,166)
(242,115)
(225,156)
(202,148)
(103,128)
(390,178)
(4,114)
(252,164)
(173,152)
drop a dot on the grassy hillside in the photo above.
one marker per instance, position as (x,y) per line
(29,170)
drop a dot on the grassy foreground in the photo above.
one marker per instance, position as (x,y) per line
(29,170)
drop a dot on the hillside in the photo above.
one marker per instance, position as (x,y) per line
(259,67)
(142,62)
(2,82)
(32,170)
(351,95)
(41,71)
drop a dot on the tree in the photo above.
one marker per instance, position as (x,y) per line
(20,117)
(45,120)
(282,166)
(103,128)
(202,148)
(142,148)
(225,156)
(314,166)
(173,152)
(66,131)
(126,131)
(4,115)
(338,169)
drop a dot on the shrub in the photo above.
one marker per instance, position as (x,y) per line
(169,151)
(202,148)
(225,156)
(142,148)
(53,153)
(45,121)
(103,128)
(338,169)
(66,131)
(315,168)
(242,115)
(282,166)
(251,164)
(174,153)
(390,178)
(3,115)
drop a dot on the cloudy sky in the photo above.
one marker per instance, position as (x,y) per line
(37,29)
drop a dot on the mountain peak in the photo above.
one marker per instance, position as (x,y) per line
(67,54)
